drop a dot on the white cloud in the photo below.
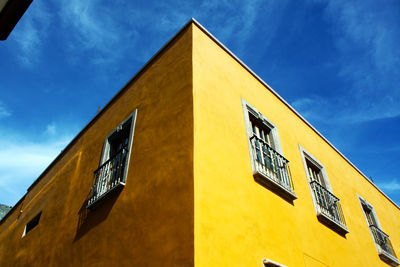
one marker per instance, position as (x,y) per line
(234,22)
(107,34)
(341,110)
(4,112)
(230,21)
(30,32)
(51,129)
(22,160)
(390,187)
(367,42)
(97,29)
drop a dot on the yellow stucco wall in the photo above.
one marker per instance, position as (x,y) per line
(150,222)
(238,222)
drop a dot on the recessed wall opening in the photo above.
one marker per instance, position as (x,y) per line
(32,224)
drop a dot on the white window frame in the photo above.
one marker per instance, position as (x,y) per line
(307,156)
(390,259)
(276,187)
(271,263)
(105,155)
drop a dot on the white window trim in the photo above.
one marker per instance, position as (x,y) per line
(105,154)
(382,254)
(270,263)
(305,155)
(366,203)
(106,145)
(249,109)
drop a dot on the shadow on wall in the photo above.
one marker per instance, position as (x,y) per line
(89,218)
(262,182)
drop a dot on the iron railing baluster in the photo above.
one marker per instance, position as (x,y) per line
(328,203)
(382,239)
(108,175)
(271,164)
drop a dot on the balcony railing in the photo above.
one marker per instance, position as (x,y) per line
(382,240)
(108,176)
(271,164)
(328,203)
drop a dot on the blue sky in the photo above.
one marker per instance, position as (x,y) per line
(337,62)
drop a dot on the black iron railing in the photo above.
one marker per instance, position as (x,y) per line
(382,240)
(328,203)
(109,175)
(271,164)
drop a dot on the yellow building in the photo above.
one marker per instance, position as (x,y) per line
(188,165)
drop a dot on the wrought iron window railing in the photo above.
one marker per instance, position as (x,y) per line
(382,240)
(271,164)
(108,176)
(328,203)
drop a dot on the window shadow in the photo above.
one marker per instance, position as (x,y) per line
(332,226)
(274,189)
(90,218)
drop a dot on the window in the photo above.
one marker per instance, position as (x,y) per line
(270,168)
(270,263)
(381,239)
(114,161)
(31,224)
(327,205)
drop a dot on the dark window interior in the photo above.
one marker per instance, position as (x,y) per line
(119,139)
(32,223)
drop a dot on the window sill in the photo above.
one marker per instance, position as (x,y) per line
(388,258)
(94,203)
(274,186)
(340,229)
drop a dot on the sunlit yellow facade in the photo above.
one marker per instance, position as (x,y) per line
(238,222)
(191,197)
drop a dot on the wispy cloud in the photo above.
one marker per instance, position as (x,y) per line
(366,38)
(231,21)
(341,110)
(29,33)
(97,33)
(4,112)
(51,129)
(96,29)
(22,159)
(390,187)
(235,22)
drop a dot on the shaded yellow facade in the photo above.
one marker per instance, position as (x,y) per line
(190,197)
(151,219)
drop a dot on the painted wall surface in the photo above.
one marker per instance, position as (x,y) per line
(238,222)
(150,222)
